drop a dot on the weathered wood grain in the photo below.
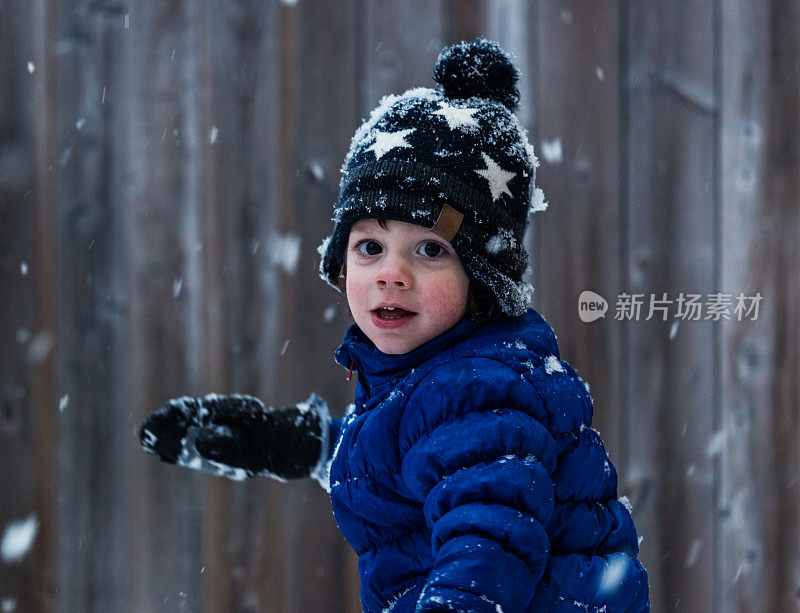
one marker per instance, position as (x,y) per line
(672,225)
(759,496)
(28,405)
(168,169)
(318,109)
(578,237)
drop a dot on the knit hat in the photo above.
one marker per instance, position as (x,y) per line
(455,160)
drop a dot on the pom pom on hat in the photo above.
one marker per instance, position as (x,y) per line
(478,68)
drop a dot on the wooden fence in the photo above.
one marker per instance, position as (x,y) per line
(168,168)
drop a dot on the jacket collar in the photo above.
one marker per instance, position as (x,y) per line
(376,368)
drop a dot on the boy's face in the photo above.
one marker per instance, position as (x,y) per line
(408,267)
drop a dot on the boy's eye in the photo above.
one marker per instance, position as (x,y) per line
(369,247)
(430,249)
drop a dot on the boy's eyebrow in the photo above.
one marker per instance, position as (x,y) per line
(362,230)
(357,234)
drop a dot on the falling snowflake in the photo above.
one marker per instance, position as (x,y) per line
(285,252)
(537,201)
(716,443)
(18,539)
(551,151)
(8,605)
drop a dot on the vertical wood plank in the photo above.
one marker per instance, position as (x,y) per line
(44,371)
(578,239)
(464,20)
(400,46)
(204,232)
(156,178)
(672,225)
(93,424)
(759,493)
(28,583)
(160,166)
(508,23)
(317,114)
(643,386)
(243,56)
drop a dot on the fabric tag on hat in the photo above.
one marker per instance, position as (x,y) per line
(448,223)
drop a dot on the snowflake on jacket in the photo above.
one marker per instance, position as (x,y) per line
(467,477)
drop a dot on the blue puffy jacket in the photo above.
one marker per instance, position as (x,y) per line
(467,477)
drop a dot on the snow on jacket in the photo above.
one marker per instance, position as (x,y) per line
(466,476)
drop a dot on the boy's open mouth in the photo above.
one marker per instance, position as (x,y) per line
(390,313)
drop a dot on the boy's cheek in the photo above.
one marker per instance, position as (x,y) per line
(448,301)
(354,292)
(448,292)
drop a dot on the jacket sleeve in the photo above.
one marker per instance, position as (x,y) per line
(335,429)
(476,454)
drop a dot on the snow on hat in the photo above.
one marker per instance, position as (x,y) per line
(455,160)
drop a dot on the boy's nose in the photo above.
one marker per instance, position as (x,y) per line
(393,273)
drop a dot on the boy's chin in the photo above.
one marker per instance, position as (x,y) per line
(399,343)
(402,340)
(394,343)
(394,346)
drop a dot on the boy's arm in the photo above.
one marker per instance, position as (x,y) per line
(482,473)
(237,436)
(334,429)
(321,472)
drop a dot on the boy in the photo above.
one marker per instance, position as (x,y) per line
(466,474)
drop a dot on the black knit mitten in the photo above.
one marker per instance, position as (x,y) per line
(237,437)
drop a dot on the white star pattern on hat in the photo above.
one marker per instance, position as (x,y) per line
(386,141)
(497,177)
(456,117)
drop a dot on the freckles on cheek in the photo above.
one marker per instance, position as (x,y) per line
(448,300)
(354,291)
